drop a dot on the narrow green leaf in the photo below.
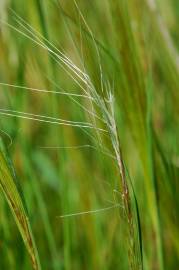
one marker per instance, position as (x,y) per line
(17,205)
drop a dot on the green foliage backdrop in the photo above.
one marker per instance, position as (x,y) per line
(89,114)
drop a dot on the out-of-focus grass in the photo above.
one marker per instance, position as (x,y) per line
(131,48)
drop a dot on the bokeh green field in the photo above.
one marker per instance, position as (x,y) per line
(129,49)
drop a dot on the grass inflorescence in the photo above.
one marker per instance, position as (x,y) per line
(89,122)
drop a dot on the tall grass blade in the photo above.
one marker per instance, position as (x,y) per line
(17,205)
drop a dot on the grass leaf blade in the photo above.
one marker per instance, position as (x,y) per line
(17,205)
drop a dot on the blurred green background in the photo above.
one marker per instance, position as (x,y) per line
(136,45)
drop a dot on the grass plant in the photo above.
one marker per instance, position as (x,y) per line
(89,123)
